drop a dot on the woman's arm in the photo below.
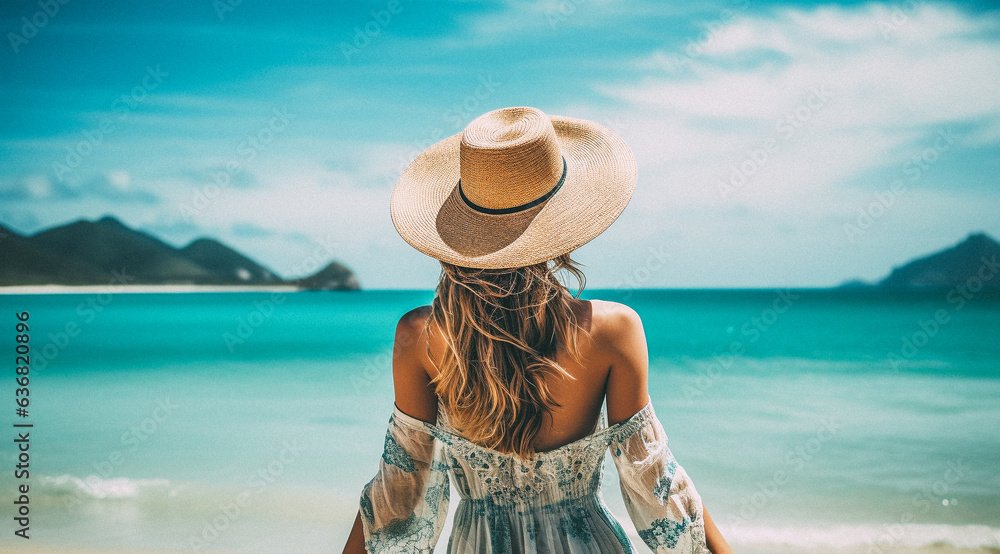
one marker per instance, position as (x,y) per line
(414,394)
(623,338)
(716,542)
(628,388)
(356,540)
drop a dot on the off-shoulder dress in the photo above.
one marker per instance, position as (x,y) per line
(550,503)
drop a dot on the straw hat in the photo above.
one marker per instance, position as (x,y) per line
(517,187)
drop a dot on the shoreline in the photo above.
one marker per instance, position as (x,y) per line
(132,289)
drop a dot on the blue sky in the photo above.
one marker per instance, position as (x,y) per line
(778,144)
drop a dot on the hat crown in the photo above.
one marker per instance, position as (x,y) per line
(509,157)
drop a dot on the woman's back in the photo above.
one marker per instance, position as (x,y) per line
(613,363)
(551,500)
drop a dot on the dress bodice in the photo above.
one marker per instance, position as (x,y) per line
(550,502)
(481,473)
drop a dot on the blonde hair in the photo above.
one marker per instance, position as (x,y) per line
(503,328)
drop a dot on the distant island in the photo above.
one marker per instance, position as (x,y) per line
(971,262)
(107,252)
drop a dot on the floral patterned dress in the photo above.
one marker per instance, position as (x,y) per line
(550,503)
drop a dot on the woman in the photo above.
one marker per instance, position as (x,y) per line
(503,380)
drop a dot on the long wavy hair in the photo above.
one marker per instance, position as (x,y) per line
(503,328)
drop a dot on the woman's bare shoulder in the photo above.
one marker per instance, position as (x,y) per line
(412,324)
(412,333)
(418,315)
(414,394)
(618,329)
(418,338)
(614,322)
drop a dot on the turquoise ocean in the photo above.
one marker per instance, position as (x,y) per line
(810,420)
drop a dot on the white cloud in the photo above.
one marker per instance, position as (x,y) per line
(38,186)
(846,100)
(120,179)
(844,96)
(875,81)
(316,214)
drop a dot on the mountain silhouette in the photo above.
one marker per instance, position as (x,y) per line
(107,252)
(974,259)
(110,246)
(24,263)
(222,260)
(335,276)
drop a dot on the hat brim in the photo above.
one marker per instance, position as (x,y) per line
(431,216)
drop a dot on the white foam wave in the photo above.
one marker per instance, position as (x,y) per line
(99,488)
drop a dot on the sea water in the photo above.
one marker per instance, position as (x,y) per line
(810,420)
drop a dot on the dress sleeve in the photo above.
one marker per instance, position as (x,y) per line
(659,496)
(404,507)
